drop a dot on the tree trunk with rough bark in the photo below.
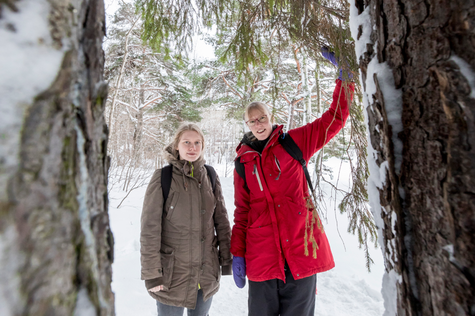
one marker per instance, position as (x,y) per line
(427,203)
(56,246)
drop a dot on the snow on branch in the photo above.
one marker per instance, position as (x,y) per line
(151,102)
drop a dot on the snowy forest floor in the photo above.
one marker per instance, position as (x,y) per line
(348,289)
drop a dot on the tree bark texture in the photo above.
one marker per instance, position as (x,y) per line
(55,238)
(429,46)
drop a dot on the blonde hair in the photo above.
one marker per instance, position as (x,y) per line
(184,127)
(259,106)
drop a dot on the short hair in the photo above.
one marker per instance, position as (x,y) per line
(260,106)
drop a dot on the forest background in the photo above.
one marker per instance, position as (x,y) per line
(152,89)
(416,77)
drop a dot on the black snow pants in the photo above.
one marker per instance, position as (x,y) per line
(274,297)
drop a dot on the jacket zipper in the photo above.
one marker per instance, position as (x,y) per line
(258,178)
(255,166)
(200,271)
(278,166)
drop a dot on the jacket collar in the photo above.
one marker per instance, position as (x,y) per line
(172,156)
(244,147)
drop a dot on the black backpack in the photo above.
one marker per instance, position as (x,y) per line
(291,148)
(167,180)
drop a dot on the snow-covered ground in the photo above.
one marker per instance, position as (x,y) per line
(348,289)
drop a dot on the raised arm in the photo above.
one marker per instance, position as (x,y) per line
(313,136)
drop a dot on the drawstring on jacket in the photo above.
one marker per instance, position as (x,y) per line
(185,181)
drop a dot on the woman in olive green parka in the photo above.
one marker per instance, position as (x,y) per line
(184,243)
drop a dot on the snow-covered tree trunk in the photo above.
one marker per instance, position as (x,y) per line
(317,86)
(138,133)
(307,102)
(290,120)
(417,62)
(56,247)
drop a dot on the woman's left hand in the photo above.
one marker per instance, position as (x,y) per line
(331,58)
(156,289)
(239,271)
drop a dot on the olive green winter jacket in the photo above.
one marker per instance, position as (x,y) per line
(184,243)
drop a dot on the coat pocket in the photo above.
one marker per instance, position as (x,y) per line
(261,251)
(172,206)
(168,262)
(263,220)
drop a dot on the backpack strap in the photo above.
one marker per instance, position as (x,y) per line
(212,176)
(239,166)
(166,181)
(294,151)
(291,148)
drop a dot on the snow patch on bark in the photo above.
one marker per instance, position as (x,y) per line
(10,259)
(85,215)
(467,71)
(356,20)
(392,102)
(84,306)
(392,96)
(450,250)
(29,63)
(390,280)
(377,179)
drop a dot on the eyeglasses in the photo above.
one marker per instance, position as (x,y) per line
(263,119)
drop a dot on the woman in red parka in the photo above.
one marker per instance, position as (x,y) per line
(273,228)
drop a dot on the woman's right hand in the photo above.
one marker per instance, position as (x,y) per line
(156,289)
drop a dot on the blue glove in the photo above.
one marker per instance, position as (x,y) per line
(331,58)
(239,271)
(329,55)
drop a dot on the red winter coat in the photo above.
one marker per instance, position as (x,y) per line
(269,220)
